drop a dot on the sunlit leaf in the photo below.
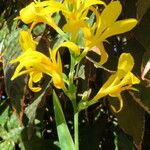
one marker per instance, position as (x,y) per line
(65,139)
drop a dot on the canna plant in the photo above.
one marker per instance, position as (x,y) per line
(84,20)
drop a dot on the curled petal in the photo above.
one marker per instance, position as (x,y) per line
(31,80)
(121,105)
(71,46)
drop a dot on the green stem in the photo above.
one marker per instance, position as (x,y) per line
(76,131)
(76,125)
(74,102)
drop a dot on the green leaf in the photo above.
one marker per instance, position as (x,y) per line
(32,108)
(131,118)
(7,145)
(13,121)
(65,139)
(3,132)
(14,134)
(4,114)
(39,29)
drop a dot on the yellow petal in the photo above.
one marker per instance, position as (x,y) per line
(57,80)
(71,46)
(59,63)
(30,84)
(26,41)
(118,28)
(126,62)
(109,15)
(103,53)
(121,104)
(37,76)
(130,79)
(89,3)
(27,14)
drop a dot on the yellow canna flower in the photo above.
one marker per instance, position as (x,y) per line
(41,12)
(35,64)
(122,80)
(76,14)
(107,26)
(26,41)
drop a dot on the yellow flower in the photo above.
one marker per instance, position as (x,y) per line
(35,64)
(106,26)
(122,80)
(41,12)
(26,41)
(76,14)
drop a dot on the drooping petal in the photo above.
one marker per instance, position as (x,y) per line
(120,102)
(71,46)
(126,62)
(103,53)
(57,80)
(30,83)
(26,41)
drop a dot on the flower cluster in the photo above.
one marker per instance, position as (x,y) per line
(82,17)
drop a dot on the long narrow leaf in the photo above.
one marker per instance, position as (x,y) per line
(65,139)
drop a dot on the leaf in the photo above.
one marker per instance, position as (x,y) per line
(142,7)
(7,145)
(131,119)
(13,121)
(143,30)
(30,111)
(81,72)
(14,134)
(35,143)
(3,132)
(4,114)
(14,89)
(122,140)
(39,29)
(65,139)
(96,131)
(145,97)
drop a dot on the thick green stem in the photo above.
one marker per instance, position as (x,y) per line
(74,102)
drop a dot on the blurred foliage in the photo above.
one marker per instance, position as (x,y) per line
(26,119)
